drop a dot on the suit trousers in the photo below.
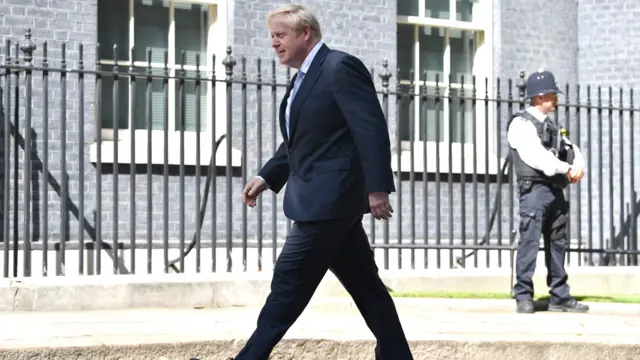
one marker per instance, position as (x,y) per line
(312,248)
(544,212)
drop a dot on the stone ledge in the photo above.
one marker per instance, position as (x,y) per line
(292,349)
(250,289)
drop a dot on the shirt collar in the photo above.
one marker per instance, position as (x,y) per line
(307,61)
(536,113)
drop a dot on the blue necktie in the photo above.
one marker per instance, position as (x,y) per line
(296,85)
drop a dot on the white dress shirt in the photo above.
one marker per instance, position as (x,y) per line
(304,68)
(523,137)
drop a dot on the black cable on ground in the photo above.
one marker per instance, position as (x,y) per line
(460,260)
(203,207)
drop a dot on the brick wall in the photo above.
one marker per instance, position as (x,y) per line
(525,37)
(606,57)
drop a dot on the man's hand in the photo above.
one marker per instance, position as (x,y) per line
(575,175)
(380,207)
(252,190)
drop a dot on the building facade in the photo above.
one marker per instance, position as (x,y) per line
(585,43)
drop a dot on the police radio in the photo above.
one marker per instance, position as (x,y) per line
(564,146)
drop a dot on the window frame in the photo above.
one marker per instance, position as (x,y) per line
(215,44)
(482,68)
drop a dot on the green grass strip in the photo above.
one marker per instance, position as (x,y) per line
(626,299)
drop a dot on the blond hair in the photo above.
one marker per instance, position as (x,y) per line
(298,17)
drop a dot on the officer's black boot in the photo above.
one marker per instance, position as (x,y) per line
(524,306)
(571,305)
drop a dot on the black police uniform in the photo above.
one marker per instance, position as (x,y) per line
(544,212)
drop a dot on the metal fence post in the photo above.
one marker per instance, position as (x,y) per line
(385,76)
(4,196)
(229,62)
(521,85)
(27,48)
(16,157)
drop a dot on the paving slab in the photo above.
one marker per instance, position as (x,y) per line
(329,329)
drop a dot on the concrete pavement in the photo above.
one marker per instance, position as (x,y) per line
(330,328)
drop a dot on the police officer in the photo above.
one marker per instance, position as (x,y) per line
(539,154)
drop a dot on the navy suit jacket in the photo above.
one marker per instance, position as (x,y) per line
(338,150)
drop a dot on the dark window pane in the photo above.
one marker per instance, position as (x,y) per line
(109,100)
(155,89)
(113,28)
(432,113)
(405,108)
(432,52)
(438,9)
(408,7)
(464,10)
(192,26)
(427,113)
(405,41)
(151,29)
(460,115)
(190,104)
(463,52)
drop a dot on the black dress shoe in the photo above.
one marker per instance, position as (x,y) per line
(524,307)
(571,305)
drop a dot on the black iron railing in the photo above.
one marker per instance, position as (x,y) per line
(78,184)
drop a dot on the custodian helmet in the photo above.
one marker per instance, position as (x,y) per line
(541,82)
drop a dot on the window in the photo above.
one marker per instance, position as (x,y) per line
(171,27)
(448,40)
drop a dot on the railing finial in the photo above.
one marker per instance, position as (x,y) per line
(385,75)
(28,48)
(522,86)
(229,62)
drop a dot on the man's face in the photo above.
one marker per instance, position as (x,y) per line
(548,102)
(290,46)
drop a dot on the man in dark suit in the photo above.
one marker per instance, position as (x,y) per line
(336,162)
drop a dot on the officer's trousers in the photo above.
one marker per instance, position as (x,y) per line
(544,213)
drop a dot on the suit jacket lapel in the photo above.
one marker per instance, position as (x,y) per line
(310,78)
(283,109)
